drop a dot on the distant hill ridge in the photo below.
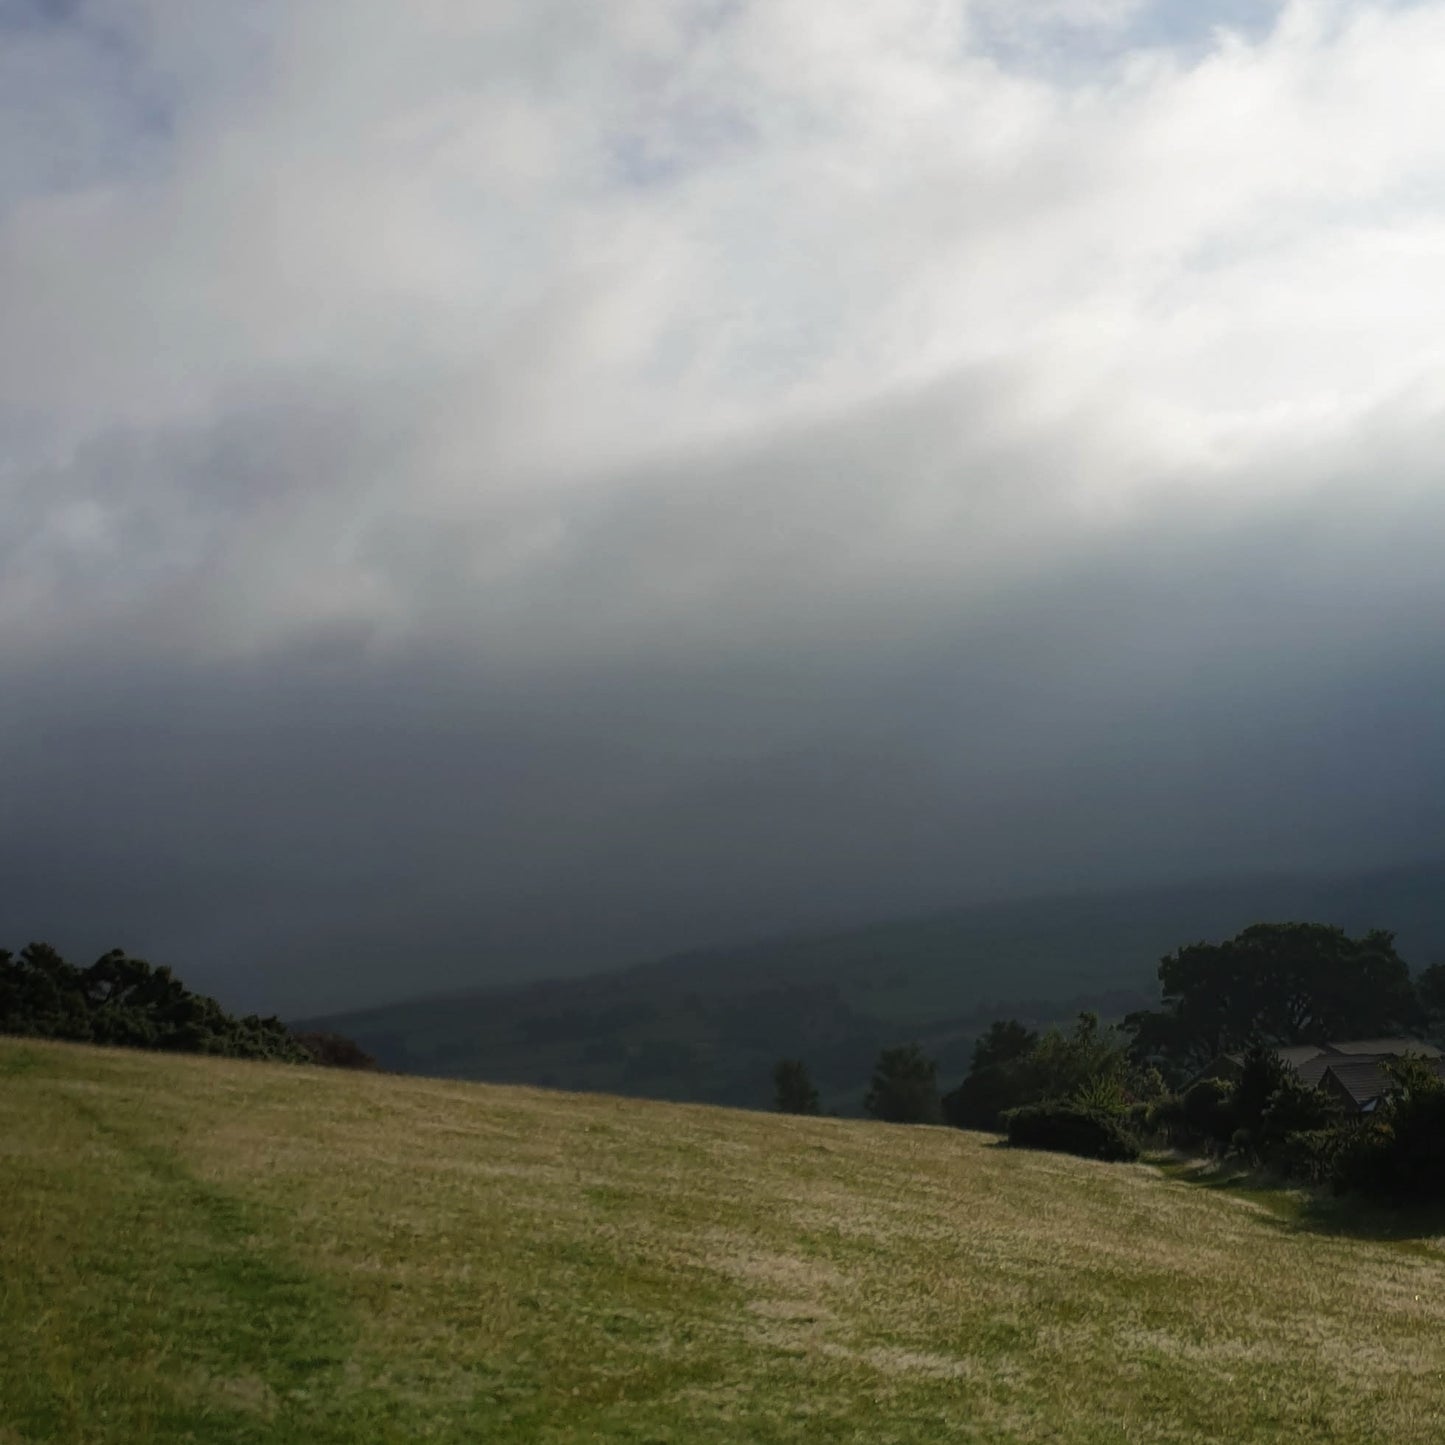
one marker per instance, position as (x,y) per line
(707,1025)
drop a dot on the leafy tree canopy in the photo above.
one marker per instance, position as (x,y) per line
(1430,990)
(1015,1067)
(904,1088)
(124,1000)
(1288,983)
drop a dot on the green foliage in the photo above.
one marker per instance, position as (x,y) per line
(995,1081)
(1257,1115)
(1295,1108)
(904,1088)
(1014,1067)
(1064,1064)
(1272,1118)
(793,1090)
(1206,1112)
(1072,1128)
(1312,1155)
(124,1001)
(1103,1094)
(1005,1043)
(1262,1073)
(334,1051)
(1399,1153)
(1430,990)
(1283,982)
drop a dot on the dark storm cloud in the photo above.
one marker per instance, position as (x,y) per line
(1188,694)
(434,551)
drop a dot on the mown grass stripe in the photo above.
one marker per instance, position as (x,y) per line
(230,1252)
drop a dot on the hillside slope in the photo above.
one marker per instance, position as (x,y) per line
(221,1252)
(709,1026)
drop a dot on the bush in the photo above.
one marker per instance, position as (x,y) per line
(1262,1075)
(1312,1155)
(1140,1118)
(124,1001)
(334,1051)
(1295,1108)
(1067,1128)
(1206,1112)
(1012,1067)
(1399,1154)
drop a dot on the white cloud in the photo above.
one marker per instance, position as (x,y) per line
(491,284)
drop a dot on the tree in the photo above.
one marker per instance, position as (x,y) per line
(1013,1067)
(1430,991)
(1288,983)
(1063,1064)
(995,1080)
(1006,1041)
(793,1091)
(904,1088)
(123,1000)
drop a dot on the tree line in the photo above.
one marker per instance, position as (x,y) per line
(125,1001)
(1112,1092)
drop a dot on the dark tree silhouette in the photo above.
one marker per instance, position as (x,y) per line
(124,1000)
(1430,991)
(1287,983)
(793,1091)
(996,1078)
(904,1088)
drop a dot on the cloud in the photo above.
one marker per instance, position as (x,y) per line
(586,481)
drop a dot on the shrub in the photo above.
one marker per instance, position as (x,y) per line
(1013,1066)
(1101,1095)
(1312,1155)
(1067,1128)
(1399,1154)
(1262,1075)
(334,1051)
(125,1001)
(1295,1108)
(1206,1112)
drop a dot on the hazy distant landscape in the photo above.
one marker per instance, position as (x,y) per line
(709,1026)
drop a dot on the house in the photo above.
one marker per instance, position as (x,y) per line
(1360,1083)
(1353,1070)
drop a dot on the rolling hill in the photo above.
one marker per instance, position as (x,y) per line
(708,1026)
(229,1253)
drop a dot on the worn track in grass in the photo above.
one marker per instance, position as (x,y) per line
(199,1250)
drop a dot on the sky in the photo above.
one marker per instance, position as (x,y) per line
(493,489)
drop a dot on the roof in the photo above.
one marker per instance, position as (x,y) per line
(1312,1070)
(1365,1080)
(1296,1054)
(1310,1061)
(1394,1047)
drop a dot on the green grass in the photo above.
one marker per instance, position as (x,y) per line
(207,1251)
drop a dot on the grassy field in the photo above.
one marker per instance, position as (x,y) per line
(210,1251)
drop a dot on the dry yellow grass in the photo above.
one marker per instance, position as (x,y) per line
(195,1249)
